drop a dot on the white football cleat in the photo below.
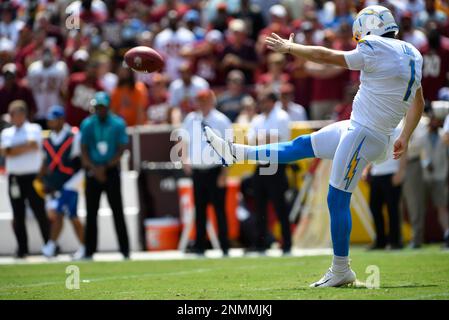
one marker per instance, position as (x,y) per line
(335,279)
(225,149)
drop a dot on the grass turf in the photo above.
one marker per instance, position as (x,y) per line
(406,274)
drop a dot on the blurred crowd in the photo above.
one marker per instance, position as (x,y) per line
(62,52)
(58,55)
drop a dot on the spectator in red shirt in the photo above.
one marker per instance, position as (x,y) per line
(328,84)
(53,31)
(30,43)
(239,51)
(345,42)
(81,90)
(435,73)
(300,79)
(206,55)
(278,24)
(13,89)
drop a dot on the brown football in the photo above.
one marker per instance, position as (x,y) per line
(144,59)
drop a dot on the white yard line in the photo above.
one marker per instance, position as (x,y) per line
(124,277)
(110,278)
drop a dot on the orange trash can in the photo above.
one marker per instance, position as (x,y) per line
(162,233)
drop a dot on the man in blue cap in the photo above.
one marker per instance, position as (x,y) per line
(103,140)
(62,178)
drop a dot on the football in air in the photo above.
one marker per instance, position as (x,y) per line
(144,59)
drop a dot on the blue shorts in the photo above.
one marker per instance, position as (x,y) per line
(65,202)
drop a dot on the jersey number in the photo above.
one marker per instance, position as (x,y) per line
(411,81)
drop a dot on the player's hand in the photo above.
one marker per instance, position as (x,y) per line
(400,147)
(276,43)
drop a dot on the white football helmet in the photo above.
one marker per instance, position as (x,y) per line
(376,20)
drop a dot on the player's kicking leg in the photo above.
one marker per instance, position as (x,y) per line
(284,152)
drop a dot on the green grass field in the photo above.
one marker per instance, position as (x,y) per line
(404,274)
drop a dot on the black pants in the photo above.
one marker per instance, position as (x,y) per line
(94,189)
(383,192)
(206,191)
(271,188)
(37,204)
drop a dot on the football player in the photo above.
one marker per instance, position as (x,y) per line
(390,89)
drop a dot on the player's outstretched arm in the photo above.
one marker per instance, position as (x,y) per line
(411,121)
(312,53)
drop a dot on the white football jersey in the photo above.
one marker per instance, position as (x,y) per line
(169,43)
(46,84)
(391,72)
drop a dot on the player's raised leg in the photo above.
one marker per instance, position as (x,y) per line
(321,144)
(285,152)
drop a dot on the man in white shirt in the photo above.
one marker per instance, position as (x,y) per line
(270,182)
(169,43)
(47,79)
(205,166)
(21,145)
(183,92)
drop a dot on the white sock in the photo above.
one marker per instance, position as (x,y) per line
(340,264)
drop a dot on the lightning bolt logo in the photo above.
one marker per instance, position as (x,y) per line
(352,167)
